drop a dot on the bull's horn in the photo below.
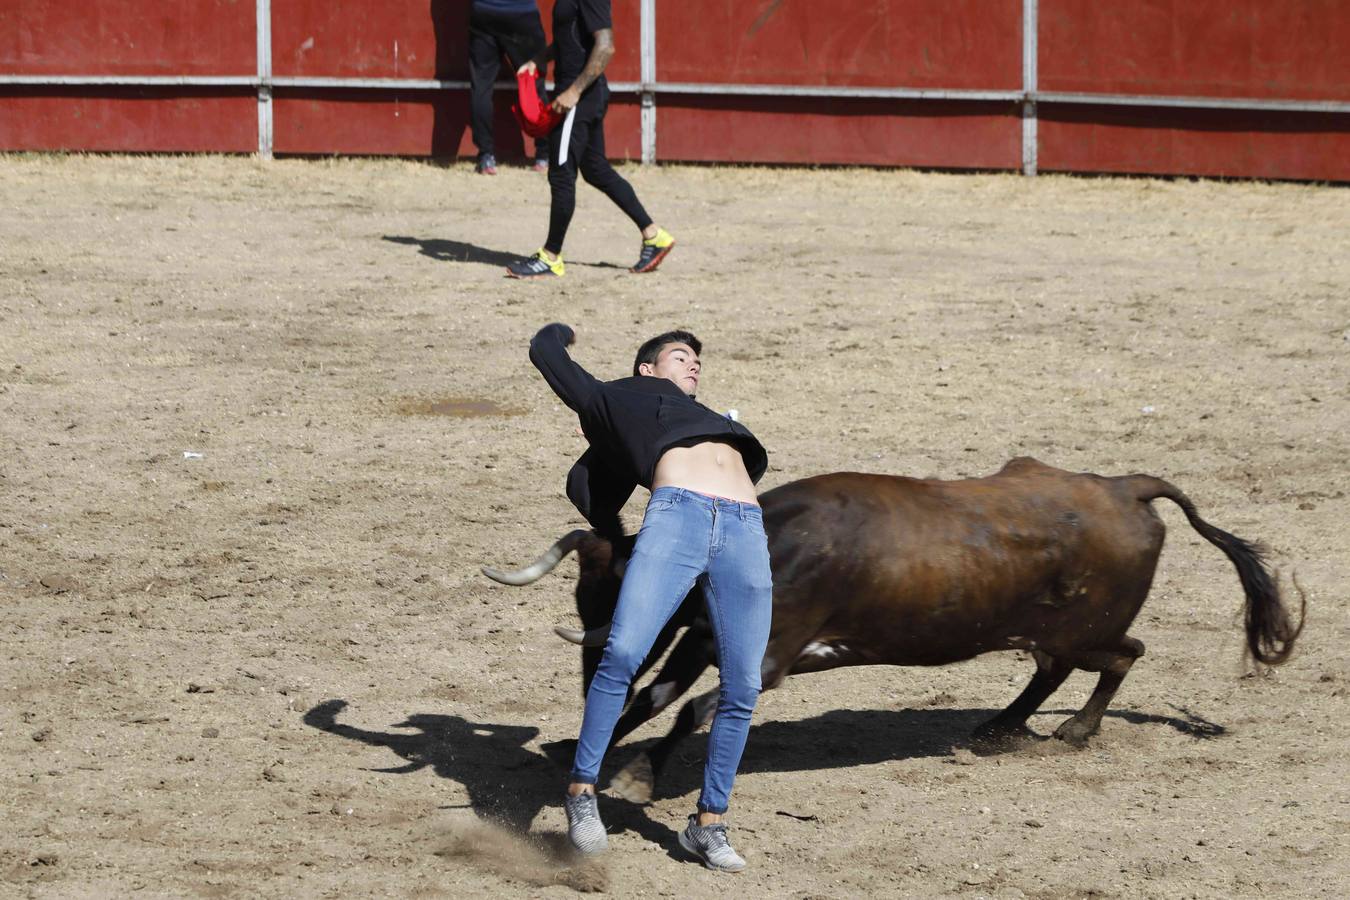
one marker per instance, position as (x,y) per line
(541,566)
(596,637)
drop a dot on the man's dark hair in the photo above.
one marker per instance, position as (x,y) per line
(651,349)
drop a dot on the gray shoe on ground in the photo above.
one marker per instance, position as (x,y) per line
(584,827)
(709,843)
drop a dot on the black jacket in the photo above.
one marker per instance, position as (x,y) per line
(630,424)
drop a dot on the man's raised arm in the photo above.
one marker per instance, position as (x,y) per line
(548,351)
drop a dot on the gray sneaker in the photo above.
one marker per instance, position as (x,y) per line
(584,827)
(709,843)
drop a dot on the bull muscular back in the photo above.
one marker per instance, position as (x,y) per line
(906,571)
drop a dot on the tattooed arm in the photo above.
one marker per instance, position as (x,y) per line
(601,54)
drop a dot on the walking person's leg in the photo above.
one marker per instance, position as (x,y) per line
(670,554)
(596,169)
(739,591)
(484,62)
(562,185)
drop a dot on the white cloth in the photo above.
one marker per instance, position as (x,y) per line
(566,136)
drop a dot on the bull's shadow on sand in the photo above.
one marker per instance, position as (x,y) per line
(445,250)
(510,783)
(844,738)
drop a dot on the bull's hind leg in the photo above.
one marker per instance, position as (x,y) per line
(1012,722)
(637,780)
(1113,664)
(690,658)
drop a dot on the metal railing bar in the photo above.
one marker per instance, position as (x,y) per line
(136,80)
(748,90)
(265,118)
(830,91)
(1238,103)
(1030,126)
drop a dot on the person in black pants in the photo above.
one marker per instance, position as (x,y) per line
(497,27)
(583,44)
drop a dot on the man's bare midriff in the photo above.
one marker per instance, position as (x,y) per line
(712,467)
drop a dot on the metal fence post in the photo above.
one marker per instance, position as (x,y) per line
(1030,140)
(647,77)
(264,9)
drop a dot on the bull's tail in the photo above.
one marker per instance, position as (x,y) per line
(1271,632)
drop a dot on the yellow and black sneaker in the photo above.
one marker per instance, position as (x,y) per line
(538,266)
(654,250)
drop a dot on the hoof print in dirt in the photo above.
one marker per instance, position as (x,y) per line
(58,583)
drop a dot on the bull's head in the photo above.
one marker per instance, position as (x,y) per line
(602,562)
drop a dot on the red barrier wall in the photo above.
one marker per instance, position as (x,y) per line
(1256,49)
(859,132)
(128,37)
(936,44)
(1291,50)
(1195,142)
(973,44)
(126,120)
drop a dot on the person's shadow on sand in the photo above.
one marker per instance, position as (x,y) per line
(482,757)
(506,782)
(444,250)
(455,251)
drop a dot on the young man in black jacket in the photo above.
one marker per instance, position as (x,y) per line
(702,524)
(583,44)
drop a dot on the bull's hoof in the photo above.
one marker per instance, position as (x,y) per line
(1074,732)
(636,781)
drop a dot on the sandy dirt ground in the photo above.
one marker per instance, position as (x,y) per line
(260,424)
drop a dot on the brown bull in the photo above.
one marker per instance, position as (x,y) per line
(876,569)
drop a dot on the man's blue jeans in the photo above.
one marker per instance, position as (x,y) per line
(688,537)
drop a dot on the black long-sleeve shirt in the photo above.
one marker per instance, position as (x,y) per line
(630,423)
(575,23)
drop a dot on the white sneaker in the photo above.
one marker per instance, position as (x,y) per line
(584,827)
(709,843)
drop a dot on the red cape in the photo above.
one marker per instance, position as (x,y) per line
(536,119)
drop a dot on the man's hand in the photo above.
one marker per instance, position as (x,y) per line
(566,100)
(530,68)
